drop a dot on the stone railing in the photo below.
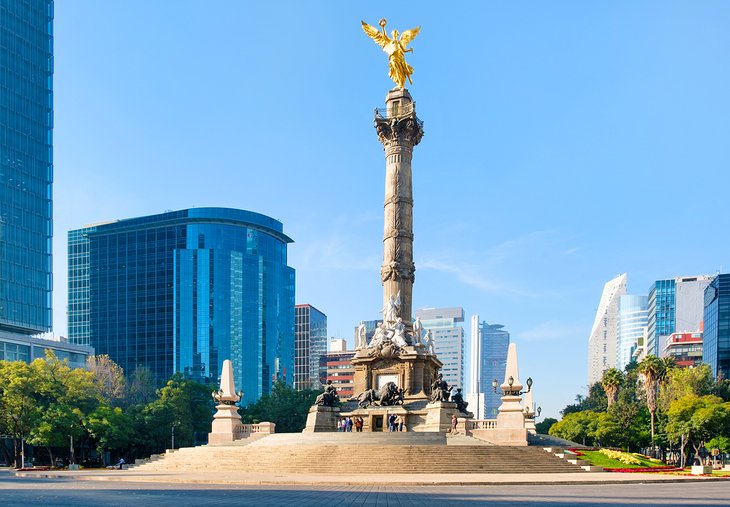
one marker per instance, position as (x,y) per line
(481,424)
(242,431)
(396,112)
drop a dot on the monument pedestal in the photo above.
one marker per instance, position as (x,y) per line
(225,423)
(321,418)
(411,368)
(439,416)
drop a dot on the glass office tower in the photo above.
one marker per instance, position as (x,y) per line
(26,165)
(310,340)
(716,339)
(495,342)
(661,308)
(184,290)
(632,320)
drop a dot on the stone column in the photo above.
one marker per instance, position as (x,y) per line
(399,130)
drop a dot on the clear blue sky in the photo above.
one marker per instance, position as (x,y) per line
(566,142)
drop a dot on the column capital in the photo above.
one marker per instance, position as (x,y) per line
(401,131)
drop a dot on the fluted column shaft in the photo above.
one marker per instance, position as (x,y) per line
(399,130)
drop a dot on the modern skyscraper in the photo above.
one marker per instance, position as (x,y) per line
(716,338)
(661,314)
(632,319)
(26,165)
(184,290)
(448,336)
(674,305)
(604,334)
(489,344)
(310,341)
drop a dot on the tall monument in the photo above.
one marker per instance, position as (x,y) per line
(399,129)
(397,372)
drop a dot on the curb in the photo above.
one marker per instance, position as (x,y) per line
(293,481)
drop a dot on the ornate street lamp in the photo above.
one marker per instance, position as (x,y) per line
(509,391)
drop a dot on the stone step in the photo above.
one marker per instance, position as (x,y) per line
(344,438)
(328,458)
(592,468)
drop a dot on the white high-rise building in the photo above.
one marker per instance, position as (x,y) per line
(474,394)
(603,339)
(489,344)
(448,335)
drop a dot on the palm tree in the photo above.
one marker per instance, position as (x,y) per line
(654,371)
(612,379)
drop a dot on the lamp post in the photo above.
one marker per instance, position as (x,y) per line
(509,391)
(173,435)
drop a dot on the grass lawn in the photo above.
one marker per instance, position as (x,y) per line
(598,459)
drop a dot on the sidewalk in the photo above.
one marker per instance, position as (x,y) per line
(357,480)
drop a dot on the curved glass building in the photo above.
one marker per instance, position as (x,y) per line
(633,314)
(184,290)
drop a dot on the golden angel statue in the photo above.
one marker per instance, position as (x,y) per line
(396,49)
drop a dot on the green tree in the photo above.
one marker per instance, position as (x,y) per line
(285,406)
(611,381)
(19,407)
(681,382)
(182,404)
(110,428)
(696,419)
(543,427)
(65,397)
(579,427)
(596,401)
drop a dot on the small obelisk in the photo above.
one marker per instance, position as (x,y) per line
(226,419)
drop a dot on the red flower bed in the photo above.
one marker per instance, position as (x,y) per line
(650,469)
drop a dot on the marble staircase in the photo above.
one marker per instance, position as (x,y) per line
(361,453)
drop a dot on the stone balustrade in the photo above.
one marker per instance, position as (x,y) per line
(481,424)
(242,431)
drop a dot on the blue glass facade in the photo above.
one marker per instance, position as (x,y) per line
(310,332)
(184,290)
(661,314)
(632,319)
(495,342)
(26,170)
(716,339)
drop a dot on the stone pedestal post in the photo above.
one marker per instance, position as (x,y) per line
(225,423)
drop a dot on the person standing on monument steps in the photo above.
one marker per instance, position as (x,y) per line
(454,424)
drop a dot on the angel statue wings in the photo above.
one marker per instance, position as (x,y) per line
(396,49)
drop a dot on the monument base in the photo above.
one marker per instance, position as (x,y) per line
(321,418)
(225,424)
(417,415)
(515,437)
(439,416)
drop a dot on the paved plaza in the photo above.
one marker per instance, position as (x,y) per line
(70,492)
